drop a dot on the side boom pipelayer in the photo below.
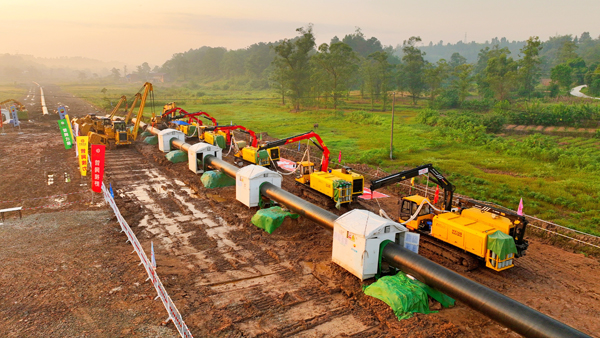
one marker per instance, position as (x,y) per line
(506,311)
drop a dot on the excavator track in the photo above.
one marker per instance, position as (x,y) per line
(462,260)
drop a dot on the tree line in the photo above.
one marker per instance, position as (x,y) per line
(304,74)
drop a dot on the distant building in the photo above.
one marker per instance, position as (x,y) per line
(157,77)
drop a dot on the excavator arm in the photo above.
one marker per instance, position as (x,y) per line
(19,104)
(147,89)
(138,96)
(170,115)
(436,177)
(230,128)
(114,111)
(306,136)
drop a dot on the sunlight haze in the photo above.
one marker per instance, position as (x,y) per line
(133,32)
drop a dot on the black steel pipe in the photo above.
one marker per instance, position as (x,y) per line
(298,205)
(506,311)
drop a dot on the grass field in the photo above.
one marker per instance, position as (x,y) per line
(558,188)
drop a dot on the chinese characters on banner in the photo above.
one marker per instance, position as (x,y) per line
(82,146)
(97,166)
(66,133)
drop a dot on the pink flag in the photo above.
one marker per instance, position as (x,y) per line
(340,157)
(520,210)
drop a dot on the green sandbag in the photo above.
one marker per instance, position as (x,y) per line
(405,296)
(177,156)
(145,133)
(270,219)
(501,244)
(151,140)
(216,179)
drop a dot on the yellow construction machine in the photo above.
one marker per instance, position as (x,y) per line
(116,133)
(122,100)
(341,185)
(19,105)
(466,234)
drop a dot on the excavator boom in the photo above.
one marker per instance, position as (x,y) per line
(138,96)
(114,111)
(230,128)
(169,115)
(147,89)
(437,177)
(306,136)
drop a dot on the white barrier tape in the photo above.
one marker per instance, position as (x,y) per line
(174,314)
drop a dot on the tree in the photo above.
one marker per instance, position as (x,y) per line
(115,73)
(456,60)
(360,45)
(529,66)
(413,68)
(339,62)
(463,81)
(561,75)
(567,51)
(143,71)
(480,70)
(501,74)
(435,74)
(579,70)
(292,60)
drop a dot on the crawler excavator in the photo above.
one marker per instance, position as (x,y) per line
(191,127)
(116,133)
(467,234)
(341,185)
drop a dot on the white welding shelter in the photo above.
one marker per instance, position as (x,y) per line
(198,151)
(5,115)
(357,235)
(248,180)
(165,137)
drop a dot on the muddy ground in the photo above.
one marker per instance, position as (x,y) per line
(67,271)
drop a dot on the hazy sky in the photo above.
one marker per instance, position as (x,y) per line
(134,31)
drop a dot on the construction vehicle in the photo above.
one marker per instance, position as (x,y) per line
(341,185)
(116,133)
(19,105)
(461,234)
(221,135)
(117,106)
(190,128)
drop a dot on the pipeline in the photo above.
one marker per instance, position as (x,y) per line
(504,310)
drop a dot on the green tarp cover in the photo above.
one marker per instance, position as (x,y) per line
(151,140)
(271,218)
(145,133)
(501,244)
(177,156)
(405,296)
(220,141)
(216,179)
(262,154)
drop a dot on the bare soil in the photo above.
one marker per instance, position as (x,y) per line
(67,271)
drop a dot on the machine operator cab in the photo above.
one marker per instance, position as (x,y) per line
(306,168)
(409,207)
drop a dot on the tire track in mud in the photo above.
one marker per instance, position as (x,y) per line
(248,287)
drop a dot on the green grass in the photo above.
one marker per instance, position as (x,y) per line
(553,190)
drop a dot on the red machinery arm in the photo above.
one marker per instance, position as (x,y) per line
(190,116)
(305,136)
(228,129)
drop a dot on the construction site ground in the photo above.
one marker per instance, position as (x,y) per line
(66,270)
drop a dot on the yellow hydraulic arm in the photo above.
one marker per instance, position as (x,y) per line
(21,107)
(147,89)
(138,96)
(114,111)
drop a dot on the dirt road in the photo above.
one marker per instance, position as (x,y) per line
(71,274)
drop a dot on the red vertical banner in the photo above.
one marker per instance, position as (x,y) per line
(97,157)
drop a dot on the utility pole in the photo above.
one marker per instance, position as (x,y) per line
(392,135)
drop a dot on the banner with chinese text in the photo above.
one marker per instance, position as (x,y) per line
(82,146)
(97,166)
(66,133)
